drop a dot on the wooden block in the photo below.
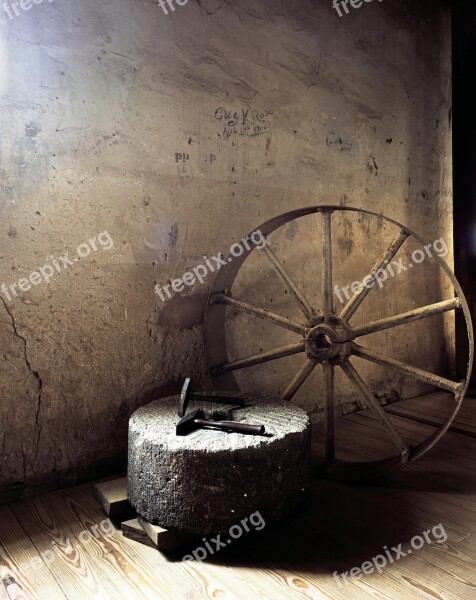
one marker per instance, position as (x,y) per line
(156,534)
(164,539)
(112,495)
(133,531)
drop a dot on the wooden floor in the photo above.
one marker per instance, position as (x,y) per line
(346,526)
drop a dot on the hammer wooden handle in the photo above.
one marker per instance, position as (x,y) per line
(232,426)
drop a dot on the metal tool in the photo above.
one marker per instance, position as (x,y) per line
(186,395)
(195,420)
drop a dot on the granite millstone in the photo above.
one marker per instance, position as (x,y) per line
(207,481)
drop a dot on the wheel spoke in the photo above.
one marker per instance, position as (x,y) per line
(371,401)
(258,359)
(329,409)
(306,308)
(258,312)
(357,299)
(407,317)
(299,379)
(386,361)
(327,291)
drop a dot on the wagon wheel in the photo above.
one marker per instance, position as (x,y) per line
(326,337)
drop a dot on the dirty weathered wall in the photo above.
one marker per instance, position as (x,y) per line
(117,123)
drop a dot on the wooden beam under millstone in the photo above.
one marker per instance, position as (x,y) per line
(167,540)
(112,495)
(132,530)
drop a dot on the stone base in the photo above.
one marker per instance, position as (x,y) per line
(210,480)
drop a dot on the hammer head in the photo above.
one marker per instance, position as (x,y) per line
(187,423)
(184,397)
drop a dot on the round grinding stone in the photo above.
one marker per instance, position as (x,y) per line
(209,480)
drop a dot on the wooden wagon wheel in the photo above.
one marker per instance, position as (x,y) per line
(327,338)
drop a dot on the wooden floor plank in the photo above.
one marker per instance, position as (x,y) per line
(21,558)
(454,455)
(263,582)
(449,562)
(448,447)
(439,405)
(184,577)
(361,532)
(56,522)
(444,477)
(345,526)
(327,536)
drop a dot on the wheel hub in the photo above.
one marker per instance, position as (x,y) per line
(327,338)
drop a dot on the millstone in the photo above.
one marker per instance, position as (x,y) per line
(207,481)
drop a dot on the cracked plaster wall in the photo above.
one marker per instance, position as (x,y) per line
(97,98)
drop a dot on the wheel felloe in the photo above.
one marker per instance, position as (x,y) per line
(326,338)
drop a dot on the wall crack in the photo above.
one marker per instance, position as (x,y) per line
(35,374)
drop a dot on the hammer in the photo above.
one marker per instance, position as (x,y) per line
(186,395)
(195,420)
